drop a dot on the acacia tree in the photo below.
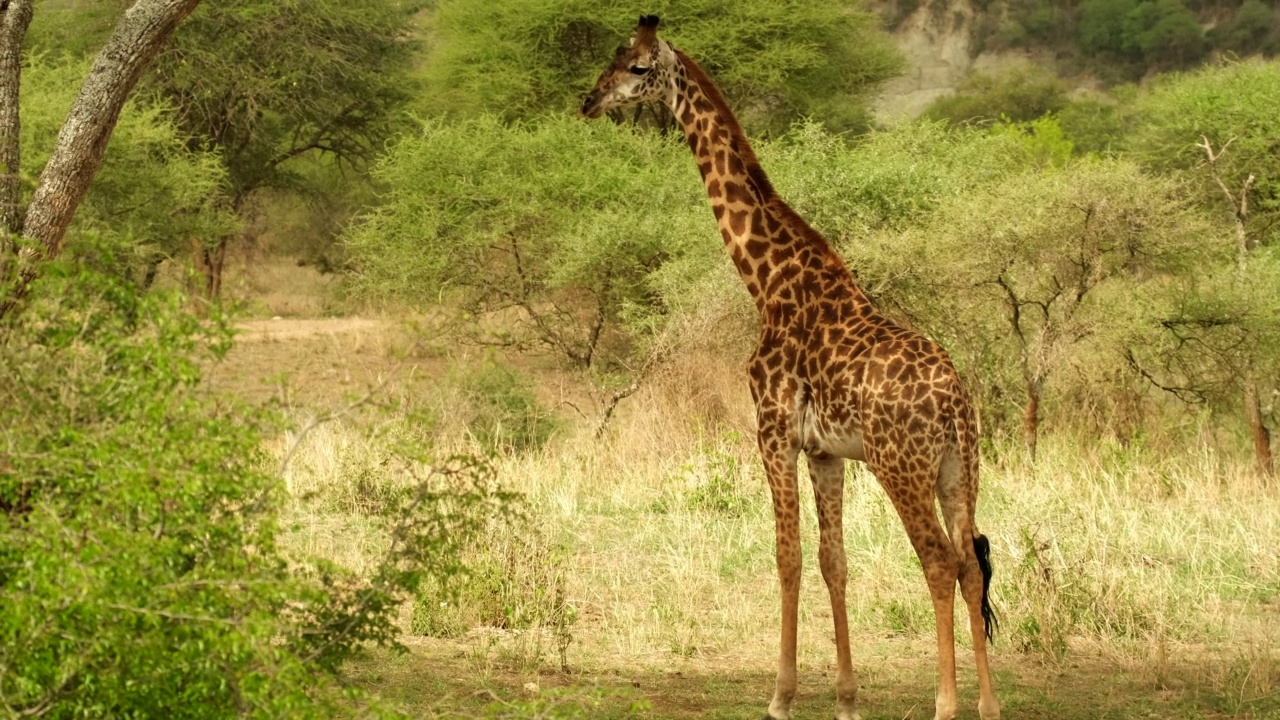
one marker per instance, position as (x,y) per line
(35,236)
(1036,265)
(1219,127)
(521,58)
(268,82)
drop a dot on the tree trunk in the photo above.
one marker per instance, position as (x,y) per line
(209,262)
(1261,435)
(82,142)
(1031,418)
(217,257)
(15,16)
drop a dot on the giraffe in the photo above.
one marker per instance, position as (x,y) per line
(832,378)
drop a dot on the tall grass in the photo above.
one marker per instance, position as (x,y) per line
(657,540)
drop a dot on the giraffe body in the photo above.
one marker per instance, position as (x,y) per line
(833,379)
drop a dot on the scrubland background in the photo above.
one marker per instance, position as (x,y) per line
(374,382)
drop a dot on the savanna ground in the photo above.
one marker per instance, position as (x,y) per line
(1131,581)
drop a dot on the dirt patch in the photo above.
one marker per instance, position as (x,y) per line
(321,362)
(279,328)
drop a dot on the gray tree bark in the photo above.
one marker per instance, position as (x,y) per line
(82,142)
(15,16)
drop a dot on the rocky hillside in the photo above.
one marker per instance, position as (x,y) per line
(1092,43)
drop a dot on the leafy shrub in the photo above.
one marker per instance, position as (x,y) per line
(504,412)
(1166,32)
(714,481)
(1036,267)
(1102,26)
(1094,125)
(545,235)
(141,568)
(1253,29)
(1056,596)
(1019,95)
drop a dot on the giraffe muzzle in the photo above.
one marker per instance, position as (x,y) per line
(591,105)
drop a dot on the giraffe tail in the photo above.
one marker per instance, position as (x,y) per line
(967,445)
(982,548)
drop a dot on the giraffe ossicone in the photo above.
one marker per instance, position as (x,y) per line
(832,378)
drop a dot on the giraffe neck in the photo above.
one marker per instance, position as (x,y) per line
(761,232)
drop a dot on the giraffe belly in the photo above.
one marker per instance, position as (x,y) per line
(818,437)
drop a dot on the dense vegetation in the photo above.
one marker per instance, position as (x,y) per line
(1102,271)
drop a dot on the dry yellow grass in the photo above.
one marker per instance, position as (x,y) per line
(1158,568)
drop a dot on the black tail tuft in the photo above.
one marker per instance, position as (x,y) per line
(982,548)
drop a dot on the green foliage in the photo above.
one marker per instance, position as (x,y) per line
(73,27)
(555,227)
(141,573)
(1026,93)
(505,413)
(715,480)
(528,57)
(264,82)
(1146,33)
(886,180)
(1062,597)
(1166,32)
(1221,326)
(1103,25)
(1236,107)
(1043,139)
(1219,329)
(1252,30)
(1095,125)
(1035,266)
(1124,40)
(153,196)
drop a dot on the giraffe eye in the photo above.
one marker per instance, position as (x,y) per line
(637,70)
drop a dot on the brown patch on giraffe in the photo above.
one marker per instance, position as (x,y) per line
(736,192)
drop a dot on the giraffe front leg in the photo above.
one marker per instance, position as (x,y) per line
(827,474)
(780,466)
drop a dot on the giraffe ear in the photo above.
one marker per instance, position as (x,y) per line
(649,22)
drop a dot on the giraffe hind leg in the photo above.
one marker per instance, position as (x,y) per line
(913,498)
(957,498)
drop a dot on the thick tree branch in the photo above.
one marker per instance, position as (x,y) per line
(82,142)
(15,16)
(1239,205)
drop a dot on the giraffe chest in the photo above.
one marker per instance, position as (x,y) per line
(830,421)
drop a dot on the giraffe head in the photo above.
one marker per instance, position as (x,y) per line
(639,72)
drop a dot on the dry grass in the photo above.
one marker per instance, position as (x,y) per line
(1127,570)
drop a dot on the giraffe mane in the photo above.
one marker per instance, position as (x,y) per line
(755,171)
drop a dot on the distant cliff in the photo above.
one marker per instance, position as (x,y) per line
(1090,42)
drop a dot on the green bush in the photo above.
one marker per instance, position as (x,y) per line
(544,235)
(1023,94)
(141,568)
(1166,32)
(1252,30)
(505,414)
